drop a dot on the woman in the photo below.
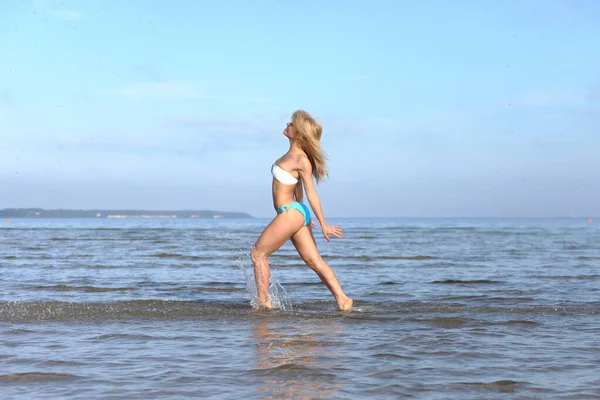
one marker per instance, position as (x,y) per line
(291,172)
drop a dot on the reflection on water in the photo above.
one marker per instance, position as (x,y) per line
(298,361)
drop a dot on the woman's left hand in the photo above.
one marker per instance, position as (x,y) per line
(332,230)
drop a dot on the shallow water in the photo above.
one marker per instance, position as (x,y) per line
(161,309)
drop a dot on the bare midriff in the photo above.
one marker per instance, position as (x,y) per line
(282,194)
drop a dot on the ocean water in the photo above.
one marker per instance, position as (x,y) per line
(160,309)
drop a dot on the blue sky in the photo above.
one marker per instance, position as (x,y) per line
(429,109)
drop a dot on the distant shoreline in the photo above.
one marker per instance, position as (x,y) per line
(119,214)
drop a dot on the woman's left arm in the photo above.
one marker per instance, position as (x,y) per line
(315,203)
(299,195)
(298,192)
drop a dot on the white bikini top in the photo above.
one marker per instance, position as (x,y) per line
(283,176)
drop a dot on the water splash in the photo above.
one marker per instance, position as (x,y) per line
(279,297)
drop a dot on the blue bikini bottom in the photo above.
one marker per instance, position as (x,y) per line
(298,206)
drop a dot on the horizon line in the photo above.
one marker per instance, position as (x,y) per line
(587,217)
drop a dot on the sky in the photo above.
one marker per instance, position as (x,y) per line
(429,108)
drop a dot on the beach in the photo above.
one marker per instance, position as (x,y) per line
(160,308)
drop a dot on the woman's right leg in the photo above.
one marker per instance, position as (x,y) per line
(304,241)
(282,227)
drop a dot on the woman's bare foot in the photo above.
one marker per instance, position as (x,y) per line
(258,308)
(265,304)
(345,303)
(268,305)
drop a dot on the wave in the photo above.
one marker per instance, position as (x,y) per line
(502,386)
(27,377)
(393,356)
(118,336)
(428,229)
(178,256)
(565,277)
(443,322)
(87,289)
(17,331)
(520,322)
(420,257)
(294,369)
(445,314)
(467,282)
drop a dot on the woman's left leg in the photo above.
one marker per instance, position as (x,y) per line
(305,244)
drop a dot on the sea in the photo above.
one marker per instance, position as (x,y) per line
(162,309)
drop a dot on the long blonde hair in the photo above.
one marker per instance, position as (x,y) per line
(308,134)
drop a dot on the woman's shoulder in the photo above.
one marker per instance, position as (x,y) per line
(299,156)
(302,160)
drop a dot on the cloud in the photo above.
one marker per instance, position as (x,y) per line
(183,135)
(171,90)
(580,106)
(150,71)
(7,96)
(161,90)
(50,8)
(593,95)
(548,98)
(227,132)
(68,15)
(267,126)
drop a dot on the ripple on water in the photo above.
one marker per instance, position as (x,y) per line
(292,369)
(87,289)
(17,332)
(54,363)
(31,377)
(467,282)
(500,386)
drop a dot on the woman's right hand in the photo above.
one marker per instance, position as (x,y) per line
(332,230)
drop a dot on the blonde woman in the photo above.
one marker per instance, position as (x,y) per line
(292,173)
